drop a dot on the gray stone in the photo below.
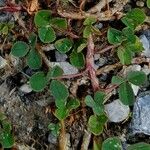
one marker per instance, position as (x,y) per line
(3,62)
(141,115)
(25,88)
(52,139)
(116,111)
(146,45)
(67,68)
(60,57)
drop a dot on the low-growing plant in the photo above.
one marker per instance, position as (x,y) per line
(5,28)
(128,45)
(126,94)
(98,120)
(114,143)
(6,136)
(126,40)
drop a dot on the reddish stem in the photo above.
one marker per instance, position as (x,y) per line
(90,64)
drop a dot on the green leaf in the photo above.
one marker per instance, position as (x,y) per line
(137,77)
(115,36)
(113,143)
(19,49)
(56,71)
(98,109)
(38,81)
(77,59)
(87,31)
(55,128)
(34,60)
(129,33)
(99,97)
(134,18)
(89,21)
(59,23)
(126,94)
(60,103)
(33,40)
(6,139)
(59,90)
(89,101)
(62,113)
(42,18)
(63,45)
(5,30)
(73,104)
(134,47)
(46,34)
(96,124)
(125,56)
(81,47)
(117,80)
(148,3)
(139,146)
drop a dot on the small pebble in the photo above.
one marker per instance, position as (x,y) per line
(3,62)
(140,4)
(117,111)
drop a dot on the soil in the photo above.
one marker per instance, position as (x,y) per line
(30,113)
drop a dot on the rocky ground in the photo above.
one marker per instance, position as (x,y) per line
(30,113)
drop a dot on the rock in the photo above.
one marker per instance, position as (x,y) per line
(116,111)
(52,139)
(146,45)
(67,67)
(60,57)
(99,61)
(141,116)
(3,62)
(25,88)
(140,4)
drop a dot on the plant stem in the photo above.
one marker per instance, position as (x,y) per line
(90,64)
(62,138)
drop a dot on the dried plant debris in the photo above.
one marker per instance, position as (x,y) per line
(72,74)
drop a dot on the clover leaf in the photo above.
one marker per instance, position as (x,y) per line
(20,49)
(38,81)
(59,90)
(63,45)
(113,143)
(96,124)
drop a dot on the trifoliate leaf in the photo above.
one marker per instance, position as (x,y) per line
(59,90)
(125,56)
(63,45)
(117,80)
(6,139)
(99,97)
(62,113)
(134,18)
(56,71)
(137,77)
(96,124)
(33,40)
(38,81)
(59,23)
(126,94)
(89,21)
(89,101)
(72,104)
(113,143)
(87,31)
(148,3)
(115,36)
(42,18)
(77,59)
(139,146)
(19,49)
(34,60)
(46,34)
